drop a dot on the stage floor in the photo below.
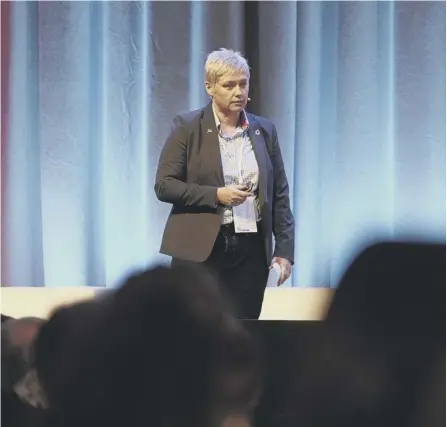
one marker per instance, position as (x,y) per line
(279,303)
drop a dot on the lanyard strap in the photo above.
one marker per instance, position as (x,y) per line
(239,161)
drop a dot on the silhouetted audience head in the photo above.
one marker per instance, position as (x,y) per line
(162,350)
(61,340)
(22,396)
(381,344)
(4,318)
(18,339)
(401,281)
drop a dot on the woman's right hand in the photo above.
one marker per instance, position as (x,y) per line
(232,195)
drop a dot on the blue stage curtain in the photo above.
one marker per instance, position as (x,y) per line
(356,90)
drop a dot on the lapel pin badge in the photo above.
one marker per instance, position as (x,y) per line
(209,131)
(257,132)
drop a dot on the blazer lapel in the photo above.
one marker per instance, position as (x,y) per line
(210,149)
(258,143)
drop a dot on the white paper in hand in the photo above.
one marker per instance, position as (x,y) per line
(274,276)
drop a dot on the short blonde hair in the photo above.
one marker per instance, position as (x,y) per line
(225,61)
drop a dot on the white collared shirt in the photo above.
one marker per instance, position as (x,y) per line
(238,170)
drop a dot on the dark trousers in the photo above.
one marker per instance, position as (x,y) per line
(239,263)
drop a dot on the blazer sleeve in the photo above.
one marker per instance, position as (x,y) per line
(170,180)
(283,221)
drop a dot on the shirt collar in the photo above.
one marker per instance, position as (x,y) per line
(243,120)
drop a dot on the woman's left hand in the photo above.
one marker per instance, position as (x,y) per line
(286,268)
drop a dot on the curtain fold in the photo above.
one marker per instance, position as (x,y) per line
(356,90)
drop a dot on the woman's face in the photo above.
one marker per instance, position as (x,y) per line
(230,92)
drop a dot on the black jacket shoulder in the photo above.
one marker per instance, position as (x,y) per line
(265,123)
(189,117)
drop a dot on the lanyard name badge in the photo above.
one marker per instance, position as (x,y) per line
(244,216)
